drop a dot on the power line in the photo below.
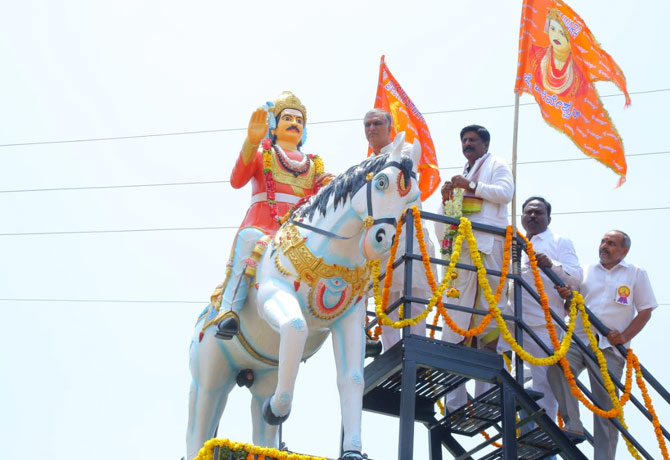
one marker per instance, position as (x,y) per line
(565,160)
(104,301)
(102,187)
(600,211)
(181,229)
(130,301)
(662,152)
(120,138)
(176,184)
(344,120)
(506,106)
(130,230)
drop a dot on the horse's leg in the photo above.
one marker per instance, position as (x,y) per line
(349,349)
(282,311)
(263,387)
(213,378)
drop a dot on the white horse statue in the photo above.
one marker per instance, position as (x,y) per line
(311,281)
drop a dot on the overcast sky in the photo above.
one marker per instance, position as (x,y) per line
(96,316)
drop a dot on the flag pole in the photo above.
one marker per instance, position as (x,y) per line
(516,260)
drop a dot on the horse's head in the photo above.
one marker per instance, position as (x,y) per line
(379,189)
(385,195)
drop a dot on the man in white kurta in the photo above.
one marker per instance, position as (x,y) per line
(377,124)
(557,253)
(487,180)
(619,294)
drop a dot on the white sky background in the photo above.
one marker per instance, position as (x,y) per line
(83,377)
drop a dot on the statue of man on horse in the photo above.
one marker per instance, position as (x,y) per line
(280,175)
(285,294)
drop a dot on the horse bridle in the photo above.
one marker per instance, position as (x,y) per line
(370,220)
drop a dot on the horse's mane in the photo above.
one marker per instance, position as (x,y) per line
(348,183)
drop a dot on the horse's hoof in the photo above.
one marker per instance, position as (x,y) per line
(270,417)
(373,348)
(353,455)
(245,378)
(227,328)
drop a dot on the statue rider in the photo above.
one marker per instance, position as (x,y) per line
(281,176)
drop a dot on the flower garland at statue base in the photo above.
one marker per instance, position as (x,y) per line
(244,451)
(560,348)
(270,185)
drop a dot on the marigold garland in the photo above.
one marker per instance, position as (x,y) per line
(488,436)
(560,348)
(452,208)
(375,287)
(318,163)
(609,385)
(207,451)
(270,185)
(602,364)
(579,300)
(464,230)
(650,407)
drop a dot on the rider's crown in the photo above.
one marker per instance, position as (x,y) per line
(288,100)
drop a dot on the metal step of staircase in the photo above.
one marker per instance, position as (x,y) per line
(534,445)
(430,386)
(478,414)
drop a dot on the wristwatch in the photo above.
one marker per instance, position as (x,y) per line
(472,185)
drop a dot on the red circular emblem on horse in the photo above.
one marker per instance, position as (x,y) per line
(330,297)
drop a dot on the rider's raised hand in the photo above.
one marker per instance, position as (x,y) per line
(258,126)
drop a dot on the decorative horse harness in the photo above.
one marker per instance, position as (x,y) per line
(332,287)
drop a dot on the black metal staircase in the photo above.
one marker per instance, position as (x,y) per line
(408,379)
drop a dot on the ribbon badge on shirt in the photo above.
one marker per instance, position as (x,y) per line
(623,292)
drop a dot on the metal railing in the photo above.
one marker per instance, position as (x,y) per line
(519,286)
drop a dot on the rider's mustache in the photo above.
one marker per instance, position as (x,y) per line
(293,128)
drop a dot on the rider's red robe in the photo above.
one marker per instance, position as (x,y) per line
(290,187)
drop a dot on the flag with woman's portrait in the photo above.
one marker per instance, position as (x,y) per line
(393,99)
(559,61)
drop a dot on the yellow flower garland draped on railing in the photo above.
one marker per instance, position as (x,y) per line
(464,231)
(617,405)
(381,300)
(560,347)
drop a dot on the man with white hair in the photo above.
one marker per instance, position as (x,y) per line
(377,124)
(619,294)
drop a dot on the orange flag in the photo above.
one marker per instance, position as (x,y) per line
(406,117)
(559,60)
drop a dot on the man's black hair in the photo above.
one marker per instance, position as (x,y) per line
(482,132)
(538,198)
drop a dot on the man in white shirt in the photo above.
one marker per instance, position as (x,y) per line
(488,188)
(377,124)
(619,294)
(557,253)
